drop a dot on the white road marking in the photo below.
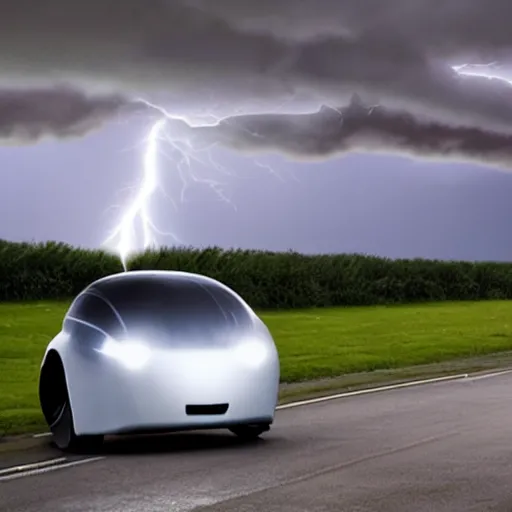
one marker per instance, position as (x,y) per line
(489,375)
(33,465)
(42,434)
(367,391)
(47,469)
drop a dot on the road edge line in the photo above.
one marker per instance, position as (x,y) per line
(48,468)
(31,466)
(378,389)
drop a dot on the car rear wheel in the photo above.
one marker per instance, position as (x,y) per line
(249,432)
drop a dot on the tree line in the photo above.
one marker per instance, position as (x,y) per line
(266,280)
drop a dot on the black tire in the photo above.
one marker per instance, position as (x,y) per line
(65,438)
(249,432)
(54,400)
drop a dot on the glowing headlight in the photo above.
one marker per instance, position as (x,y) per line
(252,353)
(131,354)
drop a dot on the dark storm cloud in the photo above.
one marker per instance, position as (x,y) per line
(329,132)
(396,53)
(27,116)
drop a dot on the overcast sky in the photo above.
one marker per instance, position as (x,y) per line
(73,123)
(382,205)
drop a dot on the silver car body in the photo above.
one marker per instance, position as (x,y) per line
(146,350)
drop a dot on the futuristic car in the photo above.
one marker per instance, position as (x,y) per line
(148,351)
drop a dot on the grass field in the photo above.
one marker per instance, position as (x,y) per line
(312,343)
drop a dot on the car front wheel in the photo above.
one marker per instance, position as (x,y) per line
(54,398)
(65,438)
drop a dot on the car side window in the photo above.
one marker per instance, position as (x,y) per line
(75,306)
(94,310)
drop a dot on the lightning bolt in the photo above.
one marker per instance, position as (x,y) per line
(490,71)
(160,141)
(123,239)
(125,233)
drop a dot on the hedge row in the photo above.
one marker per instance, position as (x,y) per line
(266,280)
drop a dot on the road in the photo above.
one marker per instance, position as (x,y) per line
(443,447)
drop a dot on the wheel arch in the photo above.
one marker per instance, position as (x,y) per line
(53,389)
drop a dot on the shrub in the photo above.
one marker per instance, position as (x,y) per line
(267,280)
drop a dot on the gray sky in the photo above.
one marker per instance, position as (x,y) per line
(381,205)
(300,85)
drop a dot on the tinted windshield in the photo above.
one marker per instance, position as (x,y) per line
(177,310)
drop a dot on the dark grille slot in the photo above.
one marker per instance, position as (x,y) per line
(195,410)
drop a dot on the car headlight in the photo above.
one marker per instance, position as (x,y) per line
(252,353)
(132,354)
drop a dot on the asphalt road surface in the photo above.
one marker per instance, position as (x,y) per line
(442,447)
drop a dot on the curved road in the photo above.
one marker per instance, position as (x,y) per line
(443,447)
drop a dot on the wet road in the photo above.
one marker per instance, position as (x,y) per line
(443,447)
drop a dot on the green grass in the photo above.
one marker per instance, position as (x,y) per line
(312,343)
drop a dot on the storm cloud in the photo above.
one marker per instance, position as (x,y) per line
(275,58)
(357,128)
(27,116)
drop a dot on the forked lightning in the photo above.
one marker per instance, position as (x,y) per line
(123,239)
